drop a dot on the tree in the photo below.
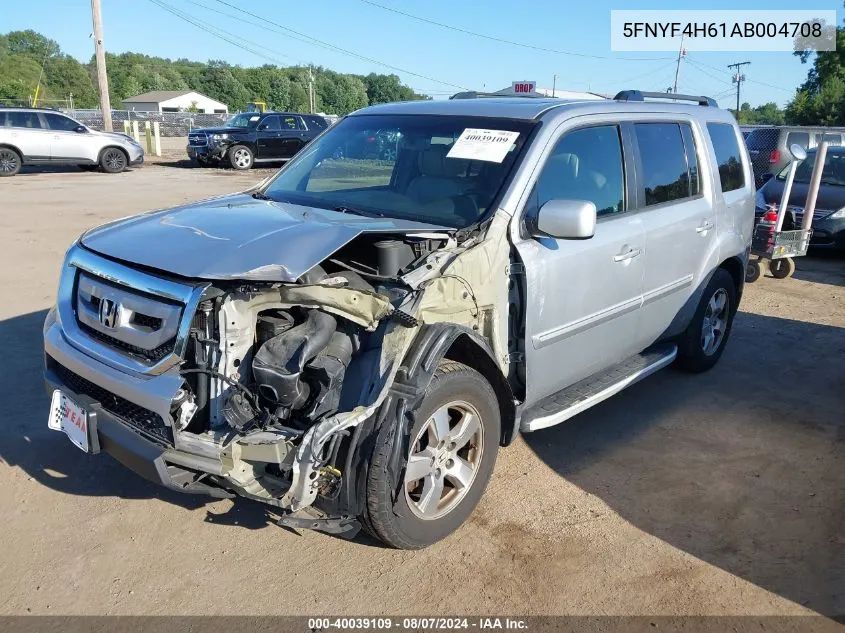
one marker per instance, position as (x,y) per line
(31,44)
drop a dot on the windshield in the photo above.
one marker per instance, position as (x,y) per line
(436,169)
(833,172)
(246,119)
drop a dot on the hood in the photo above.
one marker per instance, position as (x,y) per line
(123,138)
(238,237)
(830,197)
(220,130)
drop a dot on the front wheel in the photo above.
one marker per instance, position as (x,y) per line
(447,463)
(782,268)
(752,271)
(240,157)
(702,344)
(113,161)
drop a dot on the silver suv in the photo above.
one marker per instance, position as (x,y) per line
(353,340)
(34,136)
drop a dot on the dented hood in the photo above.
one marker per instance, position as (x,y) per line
(237,237)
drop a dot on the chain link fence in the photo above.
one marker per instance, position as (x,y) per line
(768,146)
(170,123)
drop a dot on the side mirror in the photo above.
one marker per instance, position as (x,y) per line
(80,129)
(567,219)
(798,152)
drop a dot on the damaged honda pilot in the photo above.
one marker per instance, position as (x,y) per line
(353,339)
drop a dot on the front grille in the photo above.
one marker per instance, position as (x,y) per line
(154,323)
(145,422)
(197,140)
(153,355)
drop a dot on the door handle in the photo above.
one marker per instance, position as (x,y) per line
(631,253)
(704,226)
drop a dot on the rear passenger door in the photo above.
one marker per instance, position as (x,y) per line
(583,296)
(678,217)
(27,132)
(292,136)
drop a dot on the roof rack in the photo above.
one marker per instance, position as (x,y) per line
(474,94)
(637,95)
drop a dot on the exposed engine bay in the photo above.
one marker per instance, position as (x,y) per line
(269,367)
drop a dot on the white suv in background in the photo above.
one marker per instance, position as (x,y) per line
(33,136)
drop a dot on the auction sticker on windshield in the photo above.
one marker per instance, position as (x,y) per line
(478,144)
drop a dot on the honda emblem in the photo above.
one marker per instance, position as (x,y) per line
(108,313)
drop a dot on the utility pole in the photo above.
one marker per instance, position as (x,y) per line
(100,53)
(681,53)
(312,105)
(554,85)
(738,78)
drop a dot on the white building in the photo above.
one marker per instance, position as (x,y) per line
(174,101)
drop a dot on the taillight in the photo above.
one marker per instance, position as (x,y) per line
(774,156)
(770,216)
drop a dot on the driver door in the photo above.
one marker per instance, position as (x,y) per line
(583,296)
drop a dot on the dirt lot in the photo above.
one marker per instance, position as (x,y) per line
(715,494)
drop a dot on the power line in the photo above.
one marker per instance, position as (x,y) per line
(754,81)
(323,44)
(506,41)
(712,76)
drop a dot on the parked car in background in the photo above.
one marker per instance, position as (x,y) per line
(829,217)
(769,146)
(254,137)
(37,136)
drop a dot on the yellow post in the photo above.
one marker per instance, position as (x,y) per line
(127,128)
(135,134)
(37,91)
(148,135)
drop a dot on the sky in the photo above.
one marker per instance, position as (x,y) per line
(429,58)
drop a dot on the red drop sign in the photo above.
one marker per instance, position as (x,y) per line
(523,87)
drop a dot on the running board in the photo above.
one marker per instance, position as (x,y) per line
(571,401)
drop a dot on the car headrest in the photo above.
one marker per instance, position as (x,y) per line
(434,163)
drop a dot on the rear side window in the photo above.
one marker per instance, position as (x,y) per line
(585,164)
(61,123)
(23,119)
(763,139)
(290,123)
(666,174)
(801,138)
(832,139)
(728,158)
(317,122)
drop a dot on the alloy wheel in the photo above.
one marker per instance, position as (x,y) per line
(715,322)
(8,161)
(444,459)
(242,159)
(115,160)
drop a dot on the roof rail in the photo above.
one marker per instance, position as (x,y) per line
(637,95)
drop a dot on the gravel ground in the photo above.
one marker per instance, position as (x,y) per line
(715,494)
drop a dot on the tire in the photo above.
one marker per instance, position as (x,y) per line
(240,157)
(113,160)
(414,520)
(782,268)
(698,352)
(10,162)
(752,271)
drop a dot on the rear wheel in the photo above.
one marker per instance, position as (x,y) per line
(10,162)
(240,157)
(752,271)
(446,466)
(113,160)
(702,344)
(782,268)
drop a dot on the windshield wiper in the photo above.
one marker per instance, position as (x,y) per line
(261,196)
(353,211)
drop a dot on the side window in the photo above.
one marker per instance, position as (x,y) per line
(728,157)
(315,122)
(664,158)
(289,123)
(585,164)
(23,119)
(60,123)
(801,138)
(270,124)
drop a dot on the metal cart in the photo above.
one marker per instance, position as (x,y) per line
(769,241)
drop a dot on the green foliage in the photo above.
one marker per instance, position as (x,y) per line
(821,98)
(22,54)
(766,114)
